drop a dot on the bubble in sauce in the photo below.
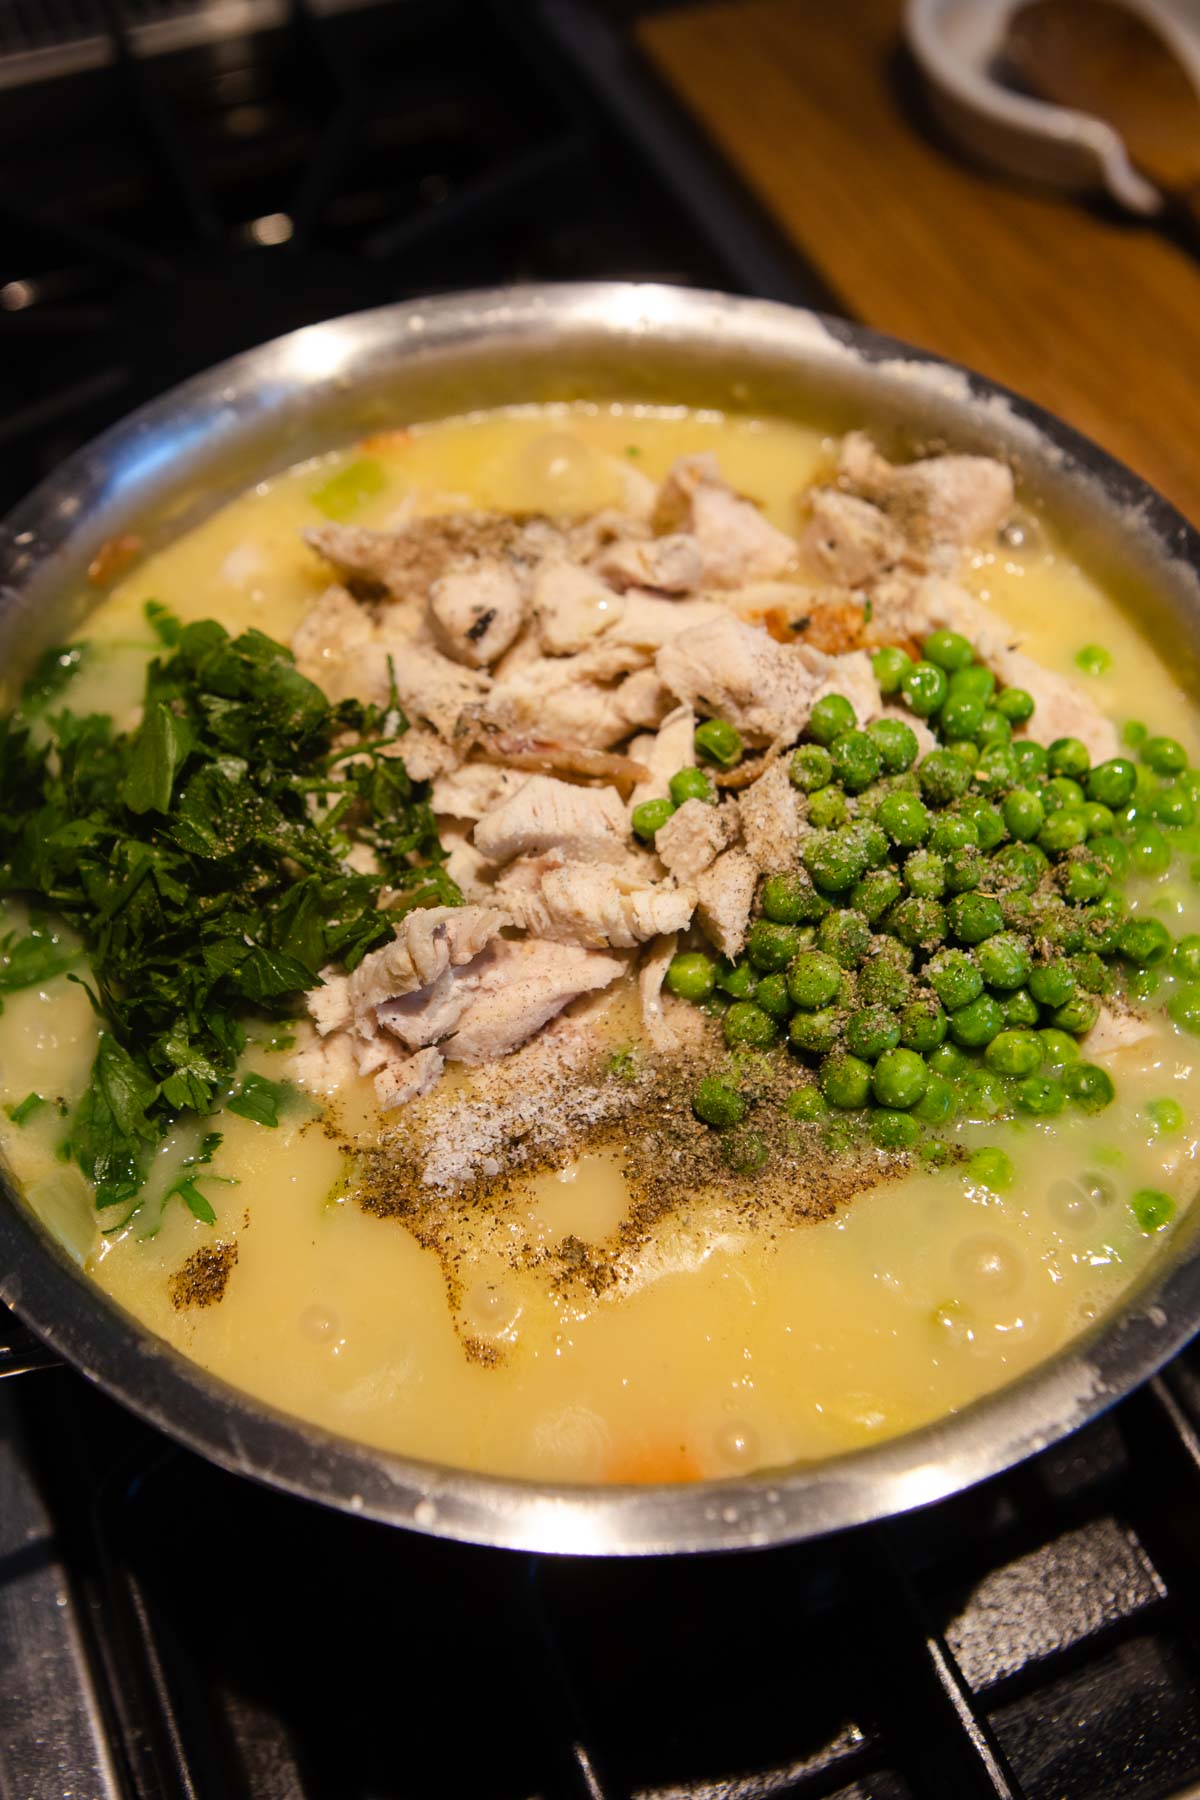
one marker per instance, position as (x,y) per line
(988,1266)
(565,475)
(491,1308)
(319,1324)
(737,1444)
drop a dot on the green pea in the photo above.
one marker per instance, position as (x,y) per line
(814,1032)
(692,784)
(845,935)
(955,978)
(1164,755)
(944,777)
(747,1025)
(991,1168)
(961,717)
(811,768)
(1040,1095)
(925,874)
(1004,960)
(1143,941)
(1133,733)
(1024,814)
(921,924)
(1020,1007)
(889,666)
(953,832)
(1101,923)
(1149,854)
(773,997)
(1063,830)
(1031,760)
(977,1023)
(1019,911)
(1068,756)
(1093,659)
(891,1130)
(1152,1208)
(771,947)
(1166,1116)
(813,979)
(878,889)
(827,808)
(1111,852)
(1061,791)
(1014,704)
(965,870)
(831,715)
(1091,972)
(950,650)
(900,1079)
(840,1136)
(894,951)
(1052,983)
(738,980)
(806,1104)
(996,771)
(896,743)
(1078,1014)
(984,1095)
(791,899)
(873,839)
(1089,1087)
(691,976)
(881,983)
(835,860)
(717,741)
(936,1104)
(976,680)
(1171,806)
(923,1024)
(746,1152)
(994,729)
(1014,1053)
(1098,818)
(845,1081)
(1082,880)
(974,917)
(1184,1008)
(967,750)
(905,818)
(716,1103)
(649,816)
(949,1061)
(1059,1048)
(871,1031)
(856,760)
(924,687)
(1185,958)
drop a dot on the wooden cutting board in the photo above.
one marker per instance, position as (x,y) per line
(816,105)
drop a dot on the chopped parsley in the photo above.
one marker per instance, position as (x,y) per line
(200,858)
(260,1099)
(25,1108)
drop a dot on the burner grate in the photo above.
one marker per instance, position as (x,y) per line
(1034,1638)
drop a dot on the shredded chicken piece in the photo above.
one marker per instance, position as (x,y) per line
(665,565)
(1114,1030)
(769,812)
(735,543)
(399,1082)
(694,836)
(526,984)
(470,791)
(733,671)
(572,606)
(850,541)
(405,563)
(546,814)
(663,754)
(598,906)
(952,500)
(724,896)
(671,1025)
(476,612)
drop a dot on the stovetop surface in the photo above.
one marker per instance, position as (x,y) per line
(170,1632)
(1034,1637)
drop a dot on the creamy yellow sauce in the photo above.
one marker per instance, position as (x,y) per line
(723,1350)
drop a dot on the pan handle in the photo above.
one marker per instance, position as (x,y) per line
(20,1351)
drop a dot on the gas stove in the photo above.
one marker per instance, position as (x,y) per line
(181,179)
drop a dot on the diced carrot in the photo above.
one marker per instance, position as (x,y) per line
(384,443)
(662,1463)
(115,555)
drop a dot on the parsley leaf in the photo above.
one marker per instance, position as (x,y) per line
(25,1108)
(201,858)
(260,1099)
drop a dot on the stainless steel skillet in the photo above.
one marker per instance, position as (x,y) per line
(179,458)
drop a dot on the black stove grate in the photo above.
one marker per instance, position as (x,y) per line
(1034,1638)
(161,211)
